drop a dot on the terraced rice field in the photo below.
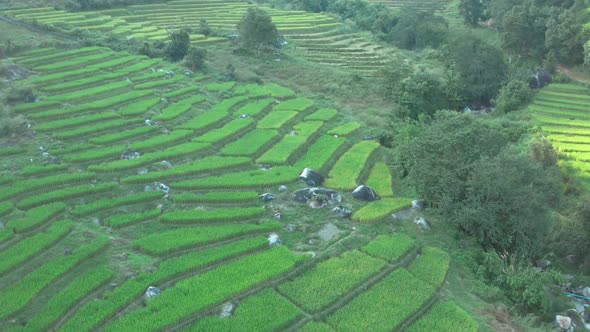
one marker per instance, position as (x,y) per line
(563,110)
(429,5)
(149,177)
(318,37)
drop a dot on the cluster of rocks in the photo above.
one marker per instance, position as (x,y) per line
(129,154)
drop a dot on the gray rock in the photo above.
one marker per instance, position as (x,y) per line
(418,204)
(274,240)
(267,197)
(152,292)
(142,171)
(244,116)
(163,187)
(543,264)
(278,216)
(227,309)
(67,251)
(311,177)
(129,154)
(586,291)
(306,194)
(329,231)
(149,122)
(290,228)
(166,163)
(422,223)
(365,193)
(294,133)
(283,188)
(343,211)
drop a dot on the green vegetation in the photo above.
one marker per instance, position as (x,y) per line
(183,238)
(251,143)
(64,194)
(324,114)
(320,152)
(247,179)
(46,182)
(265,311)
(228,130)
(217,197)
(389,247)
(445,316)
(276,119)
(284,149)
(431,267)
(201,291)
(105,204)
(347,170)
(296,104)
(330,279)
(35,217)
(217,215)
(378,210)
(122,220)
(384,306)
(380,179)
(345,129)
(25,249)
(256,107)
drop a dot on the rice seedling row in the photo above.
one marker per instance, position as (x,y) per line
(182,91)
(93,129)
(560,139)
(445,317)
(16,296)
(380,179)
(6,208)
(570,147)
(227,104)
(389,247)
(220,87)
(80,83)
(264,311)
(314,326)
(297,104)
(203,165)
(46,183)
(35,170)
(105,204)
(177,151)
(276,119)
(74,62)
(345,129)
(566,130)
(183,238)
(230,129)
(199,292)
(159,83)
(378,210)
(87,282)
(216,197)
(11,151)
(76,121)
(251,90)
(330,280)
(323,114)
(255,108)
(123,135)
(25,249)
(177,109)
(92,314)
(251,143)
(281,152)
(557,120)
(242,180)
(385,306)
(128,219)
(320,153)
(197,216)
(35,217)
(204,120)
(64,194)
(94,92)
(431,267)
(347,170)
(36,60)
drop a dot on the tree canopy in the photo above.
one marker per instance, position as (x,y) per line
(257,32)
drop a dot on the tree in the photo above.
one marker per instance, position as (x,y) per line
(523,29)
(417,29)
(421,93)
(480,66)
(512,95)
(195,57)
(204,27)
(473,11)
(564,37)
(179,44)
(257,32)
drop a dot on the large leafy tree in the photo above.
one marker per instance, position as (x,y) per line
(473,10)
(179,44)
(257,32)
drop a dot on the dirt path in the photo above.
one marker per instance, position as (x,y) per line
(578,77)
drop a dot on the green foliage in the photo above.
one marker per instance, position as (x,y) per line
(297,104)
(473,11)
(565,38)
(177,109)
(415,29)
(58,305)
(93,91)
(347,170)
(278,91)
(389,247)
(246,179)
(123,135)
(20,293)
(46,182)
(10,123)
(31,246)
(184,238)
(179,45)
(384,306)
(290,144)
(381,209)
(204,290)
(512,96)
(265,311)
(229,130)
(35,170)
(95,154)
(323,114)
(256,107)
(257,32)
(445,317)
(195,57)
(314,326)
(330,280)
(207,216)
